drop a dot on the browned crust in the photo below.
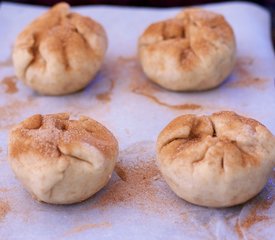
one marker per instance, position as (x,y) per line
(190,131)
(42,135)
(193,33)
(65,34)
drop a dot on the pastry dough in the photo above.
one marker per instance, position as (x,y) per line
(193,51)
(62,161)
(60,52)
(216,161)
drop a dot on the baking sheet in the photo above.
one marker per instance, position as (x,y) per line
(138,204)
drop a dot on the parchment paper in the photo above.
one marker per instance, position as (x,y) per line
(138,204)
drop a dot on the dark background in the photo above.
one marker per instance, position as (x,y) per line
(149,3)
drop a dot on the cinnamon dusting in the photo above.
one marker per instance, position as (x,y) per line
(121,173)
(244,78)
(134,186)
(46,134)
(186,106)
(10,84)
(141,85)
(139,185)
(256,82)
(11,110)
(255,216)
(88,226)
(3,190)
(106,96)
(4,209)
(6,63)
(128,59)
(139,82)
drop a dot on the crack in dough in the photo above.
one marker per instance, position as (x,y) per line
(184,53)
(60,160)
(217,161)
(59,52)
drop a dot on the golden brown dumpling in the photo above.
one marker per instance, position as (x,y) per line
(60,52)
(193,51)
(62,161)
(216,161)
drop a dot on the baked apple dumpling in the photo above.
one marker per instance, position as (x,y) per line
(193,51)
(216,161)
(62,161)
(60,52)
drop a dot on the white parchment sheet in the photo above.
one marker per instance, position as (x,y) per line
(138,204)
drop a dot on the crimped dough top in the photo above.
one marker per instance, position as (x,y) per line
(59,38)
(190,39)
(224,139)
(48,135)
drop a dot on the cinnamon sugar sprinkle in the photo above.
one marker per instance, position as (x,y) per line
(10,84)
(6,63)
(4,209)
(186,106)
(133,183)
(135,186)
(244,78)
(106,96)
(86,227)
(121,173)
(13,109)
(253,217)
(137,183)
(142,86)
(46,134)
(3,190)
